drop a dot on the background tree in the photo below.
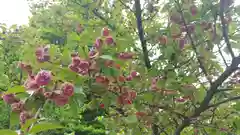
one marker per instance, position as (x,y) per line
(154,67)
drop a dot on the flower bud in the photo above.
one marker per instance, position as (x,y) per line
(43,77)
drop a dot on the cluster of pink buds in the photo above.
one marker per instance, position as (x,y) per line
(154,83)
(17,106)
(181,42)
(180,100)
(133,74)
(126,97)
(42,78)
(79,65)
(42,54)
(10,98)
(126,55)
(24,116)
(61,98)
(189,28)
(105,38)
(193,10)
(140,114)
(25,67)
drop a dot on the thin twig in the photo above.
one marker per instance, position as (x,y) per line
(225,28)
(201,65)
(219,49)
(126,6)
(224,101)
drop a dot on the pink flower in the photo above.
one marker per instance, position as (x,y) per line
(191,28)
(181,43)
(39,52)
(67,89)
(105,32)
(17,107)
(134,74)
(30,84)
(83,72)
(129,78)
(25,67)
(109,40)
(43,77)
(9,98)
(84,65)
(73,68)
(92,54)
(154,87)
(125,55)
(102,106)
(98,43)
(61,100)
(127,97)
(223,129)
(193,10)
(42,54)
(39,91)
(43,58)
(76,61)
(180,100)
(24,116)
(49,95)
(140,114)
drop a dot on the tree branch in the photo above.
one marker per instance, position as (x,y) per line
(167,109)
(221,54)
(204,105)
(224,101)
(225,28)
(103,19)
(138,15)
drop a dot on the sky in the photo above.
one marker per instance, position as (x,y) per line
(17,11)
(14,12)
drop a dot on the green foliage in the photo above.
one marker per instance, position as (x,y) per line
(159,72)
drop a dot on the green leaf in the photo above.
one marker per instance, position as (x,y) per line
(137,131)
(237,123)
(106,101)
(14,119)
(28,123)
(78,89)
(22,95)
(53,51)
(4,80)
(15,89)
(237,106)
(7,132)
(131,119)
(74,36)
(73,107)
(44,126)
(83,51)
(148,97)
(66,56)
(235,45)
(199,95)
(110,72)
(107,57)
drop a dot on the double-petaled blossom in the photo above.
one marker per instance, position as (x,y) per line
(42,54)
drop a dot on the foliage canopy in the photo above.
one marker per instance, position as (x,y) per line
(146,67)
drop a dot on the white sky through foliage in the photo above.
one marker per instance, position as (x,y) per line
(17,11)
